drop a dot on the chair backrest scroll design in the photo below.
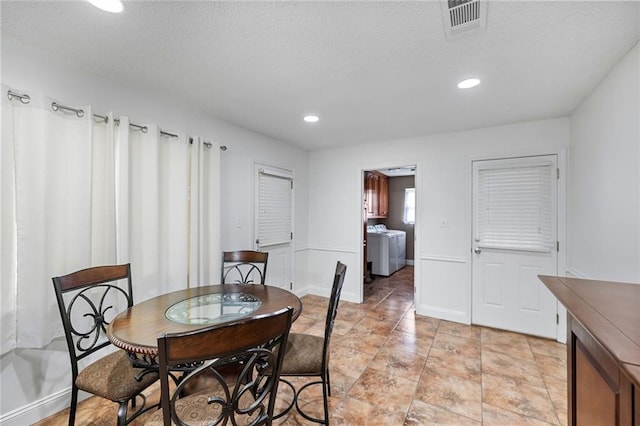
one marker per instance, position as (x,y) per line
(244,397)
(243,266)
(87,299)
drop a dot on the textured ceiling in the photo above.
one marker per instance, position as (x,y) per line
(372,71)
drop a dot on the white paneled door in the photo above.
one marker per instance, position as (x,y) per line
(274,222)
(514,240)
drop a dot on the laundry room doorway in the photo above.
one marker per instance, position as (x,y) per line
(388,221)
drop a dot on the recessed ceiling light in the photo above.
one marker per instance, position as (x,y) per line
(468,83)
(311,118)
(113,6)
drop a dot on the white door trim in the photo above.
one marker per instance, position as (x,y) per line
(416,226)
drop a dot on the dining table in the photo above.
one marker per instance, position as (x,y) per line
(136,329)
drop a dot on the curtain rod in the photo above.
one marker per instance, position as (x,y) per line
(103,118)
(79,112)
(24,98)
(144,129)
(206,144)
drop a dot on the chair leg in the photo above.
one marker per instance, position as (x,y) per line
(325,401)
(293,398)
(326,391)
(74,404)
(122,413)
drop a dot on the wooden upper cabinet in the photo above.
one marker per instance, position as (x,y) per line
(376,188)
(371,193)
(383,197)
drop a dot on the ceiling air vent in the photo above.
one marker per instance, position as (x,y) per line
(462,16)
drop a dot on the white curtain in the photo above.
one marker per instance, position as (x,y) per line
(204,217)
(53,202)
(103,190)
(79,192)
(7,231)
(155,239)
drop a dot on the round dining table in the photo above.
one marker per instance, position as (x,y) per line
(136,330)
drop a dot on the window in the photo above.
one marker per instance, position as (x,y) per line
(409,216)
(275,199)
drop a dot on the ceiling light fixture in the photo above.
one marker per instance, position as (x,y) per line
(468,83)
(311,118)
(113,6)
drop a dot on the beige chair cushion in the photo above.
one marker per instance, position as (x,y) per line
(113,377)
(303,355)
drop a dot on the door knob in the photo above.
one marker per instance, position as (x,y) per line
(477,250)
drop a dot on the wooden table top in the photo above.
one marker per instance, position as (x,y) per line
(633,372)
(137,329)
(610,311)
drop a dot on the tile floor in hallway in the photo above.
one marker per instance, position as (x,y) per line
(392,367)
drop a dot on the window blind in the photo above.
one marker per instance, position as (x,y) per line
(275,197)
(513,207)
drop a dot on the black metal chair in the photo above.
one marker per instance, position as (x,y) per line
(308,355)
(244,266)
(212,393)
(87,300)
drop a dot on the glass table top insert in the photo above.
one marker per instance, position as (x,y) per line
(213,308)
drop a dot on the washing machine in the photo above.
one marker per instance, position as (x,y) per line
(386,249)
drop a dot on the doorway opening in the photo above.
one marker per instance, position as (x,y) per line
(388,221)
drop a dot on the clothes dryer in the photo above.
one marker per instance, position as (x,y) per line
(386,249)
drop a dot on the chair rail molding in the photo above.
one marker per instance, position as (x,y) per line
(436,258)
(332,249)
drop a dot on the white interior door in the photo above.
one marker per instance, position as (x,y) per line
(274,222)
(280,268)
(515,240)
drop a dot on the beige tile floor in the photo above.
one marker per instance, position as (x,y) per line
(392,367)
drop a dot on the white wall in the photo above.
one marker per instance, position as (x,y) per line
(442,259)
(604,185)
(35,383)
(237,208)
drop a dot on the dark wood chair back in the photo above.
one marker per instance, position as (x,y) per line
(332,311)
(91,296)
(308,355)
(88,299)
(211,393)
(244,267)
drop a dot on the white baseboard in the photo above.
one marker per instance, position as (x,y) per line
(38,410)
(410,262)
(321,291)
(444,314)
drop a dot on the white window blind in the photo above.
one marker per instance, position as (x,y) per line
(275,197)
(513,207)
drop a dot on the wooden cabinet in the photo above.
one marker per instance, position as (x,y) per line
(383,196)
(371,193)
(603,350)
(595,397)
(376,193)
